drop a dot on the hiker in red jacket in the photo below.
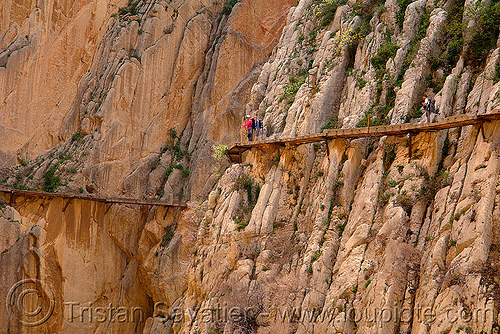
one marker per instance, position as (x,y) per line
(248,125)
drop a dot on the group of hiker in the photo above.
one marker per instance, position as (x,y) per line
(253,126)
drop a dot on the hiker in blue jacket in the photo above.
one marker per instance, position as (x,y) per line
(257,125)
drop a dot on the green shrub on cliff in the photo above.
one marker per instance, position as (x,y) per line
(386,51)
(51,181)
(327,11)
(228,8)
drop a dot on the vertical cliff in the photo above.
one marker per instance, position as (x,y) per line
(349,236)
(160,82)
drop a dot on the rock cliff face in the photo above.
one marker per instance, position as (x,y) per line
(86,254)
(354,236)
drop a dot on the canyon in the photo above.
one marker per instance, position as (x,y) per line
(118,99)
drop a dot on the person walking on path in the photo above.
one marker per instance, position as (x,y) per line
(248,125)
(426,104)
(257,126)
(253,128)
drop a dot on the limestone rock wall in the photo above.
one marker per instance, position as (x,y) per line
(331,233)
(339,237)
(345,231)
(162,83)
(87,255)
(46,47)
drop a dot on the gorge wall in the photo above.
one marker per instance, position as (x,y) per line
(125,99)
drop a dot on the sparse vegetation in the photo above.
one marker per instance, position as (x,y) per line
(431,185)
(21,187)
(400,16)
(178,154)
(219,152)
(406,202)
(496,76)
(63,157)
(76,136)
(172,133)
(228,8)
(245,182)
(293,87)
(314,258)
(327,11)
(485,34)
(131,8)
(169,171)
(185,172)
(416,112)
(377,113)
(474,45)
(444,153)
(386,51)
(447,57)
(52,181)
(389,155)
(384,198)
(169,234)
(240,224)
(360,83)
(330,125)
(341,228)
(242,216)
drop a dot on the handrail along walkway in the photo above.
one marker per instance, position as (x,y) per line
(237,149)
(13,193)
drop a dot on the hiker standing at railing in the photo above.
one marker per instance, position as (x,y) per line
(426,104)
(257,127)
(249,126)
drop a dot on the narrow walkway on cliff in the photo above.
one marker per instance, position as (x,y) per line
(235,151)
(10,195)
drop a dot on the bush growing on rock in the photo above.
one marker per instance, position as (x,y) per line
(51,181)
(228,8)
(327,11)
(386,51)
